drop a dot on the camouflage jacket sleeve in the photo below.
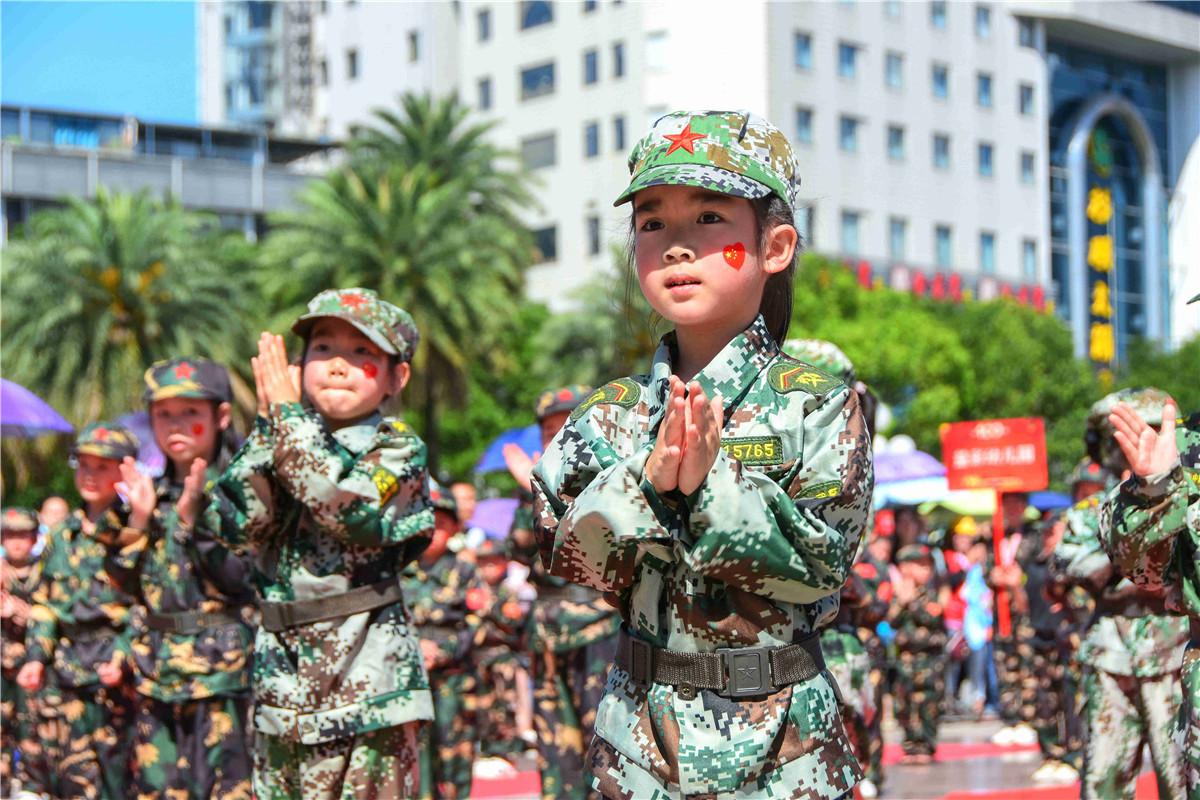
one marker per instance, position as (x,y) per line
(241,504)
(41,633)
(1079,559)
(381,500)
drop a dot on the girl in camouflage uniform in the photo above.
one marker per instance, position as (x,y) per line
(719,499)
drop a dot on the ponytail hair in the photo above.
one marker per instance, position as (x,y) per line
(776,304)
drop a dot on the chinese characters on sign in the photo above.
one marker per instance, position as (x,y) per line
(1100,257)
(1008,455)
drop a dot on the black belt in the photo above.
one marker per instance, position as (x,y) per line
(729,671)
(281,616)
(76,633)
(191,622)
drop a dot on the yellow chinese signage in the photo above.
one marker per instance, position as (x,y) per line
(1101,258)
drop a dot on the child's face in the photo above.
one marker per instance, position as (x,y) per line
(346,376)
(551,424)
(492,569)
(17,546)
(881,548)
(919,572)
(698,259)
(186,428)
(96,479)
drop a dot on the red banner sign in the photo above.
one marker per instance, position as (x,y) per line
(1008,455)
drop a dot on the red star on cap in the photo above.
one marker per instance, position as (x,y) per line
(564,394)
(101,434)
(184,371)
(685,139)
(353,300)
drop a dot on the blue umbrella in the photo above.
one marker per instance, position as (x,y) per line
(528,439)
(24,415)
(1050,501)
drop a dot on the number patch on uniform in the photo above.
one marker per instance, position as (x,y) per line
(822,491)
(386,483)
(755,450)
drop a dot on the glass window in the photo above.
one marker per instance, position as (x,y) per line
(545,240)
(983,22)
(944,254)
(941,151)
(593,236)
(538,151)
(485,94)
(656,51)
(591,67)
(987,253)
(897,238)
(414,46)
(892,8)
(618,59)
(985,160)
(983,89)
(941,81)
(893,70)
(937,13)
(1025,32)
(323,72)
(1026,101)
(895,143)
(847,56)
(591,139)
(850,225)
(804,132)
(802,50)
(351,64)
(483,24)
(619,134)
(536,13)
(1027,175)
(848,134)
(1029,259)
(537,81)
(805,225)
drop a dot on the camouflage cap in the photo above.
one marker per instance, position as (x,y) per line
(825,356)
(19,520)
(554,401)
(1099,435)
(1089,471)
(187,377)
(492,548)
(107,440)
(729,152)
(391,328)
(440,499)
(913,552)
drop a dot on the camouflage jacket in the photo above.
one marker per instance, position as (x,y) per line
(326,513)
(438,596)
(1121,638)
(873,587)
(20,582)
(920,624)
(755,556)
(1152,526)
(172,569)
(503,618)
(80,618)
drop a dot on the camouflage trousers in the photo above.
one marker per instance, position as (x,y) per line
(1050,701)
(28,726)
(11,698)
(566,692)
(196,749)
(1013,654)
(376,765)
(1187,724)
(847,660)
(448,743)
(880,679)
(496,704)
(1121,714)
(919,688)
(92,739)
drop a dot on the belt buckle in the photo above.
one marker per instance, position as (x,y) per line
(747,671)
(640,649)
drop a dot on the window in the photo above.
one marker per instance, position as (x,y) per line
(983,22)
(850,224)
(804,125)
(806,225)
(1027,175)
(619,134)
(536,13)
(589,6)
(414,46)
(545,240)
(1025,32)
(847,58)
(485,94)
(892,9)
(351,64)
(893,70)
(985,160)
(895,143)
(848,134)
(656,52)
(323,72)
(593,236)
(1029,259)
(802,50)
(591,67)
(941,81)
(483,24)
(618,59)
(897,238)
(1026,100)
(537,81)
(591,139)
(538,151)
(941,151)
(987,253)
(937,13)
(983,89)
(944,254)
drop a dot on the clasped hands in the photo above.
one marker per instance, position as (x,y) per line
(689,439)
(275,380)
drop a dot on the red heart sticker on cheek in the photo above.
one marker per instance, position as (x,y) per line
(735,255)
(370,370)
(197,429)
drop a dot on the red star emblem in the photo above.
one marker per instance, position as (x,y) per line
(184,371)
(564,394)
(685,139)
(353,300)
(101,434)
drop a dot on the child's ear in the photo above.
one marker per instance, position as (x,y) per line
(780,248)
(224,415)
(400,375)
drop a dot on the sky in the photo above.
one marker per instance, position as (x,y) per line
(134,58)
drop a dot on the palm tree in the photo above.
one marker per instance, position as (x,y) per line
(424,212)
(96,291)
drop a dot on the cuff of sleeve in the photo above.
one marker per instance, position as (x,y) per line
(1154,487)
(663,505)
(284,411)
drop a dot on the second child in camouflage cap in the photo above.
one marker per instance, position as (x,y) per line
(107,440)
(389,327)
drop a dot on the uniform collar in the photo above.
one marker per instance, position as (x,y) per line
(357,438)
(731,370)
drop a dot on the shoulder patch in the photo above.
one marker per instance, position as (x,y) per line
(386,483)
(622,392)
(796,376)
(822,490)
(1089,502)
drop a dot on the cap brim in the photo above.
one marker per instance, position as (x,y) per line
(302,326)
(165,392)
(1194,299)
(101,451)
(714,179)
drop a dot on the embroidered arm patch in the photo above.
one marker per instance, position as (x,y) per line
(821,491)
(790,376)
(622,392)
(386,483)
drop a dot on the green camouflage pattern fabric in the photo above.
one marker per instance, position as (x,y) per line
(326,512)
(756,556)
(448,745)
(93,741)
(16,721)
(389,327)
(193,377)
(825,356)
(497,661)
(877,582)
(192,749)
(375,764)
(19,520)
(728,152)
(107,440)
(1091,472)
(920,681)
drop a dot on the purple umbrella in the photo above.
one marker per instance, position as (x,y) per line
(24,415)
(494,516)
(913,465)
(150,459)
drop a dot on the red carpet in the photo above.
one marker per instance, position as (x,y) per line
(1146,790)
(957,751)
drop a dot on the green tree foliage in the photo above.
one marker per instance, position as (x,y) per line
(1177,372)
